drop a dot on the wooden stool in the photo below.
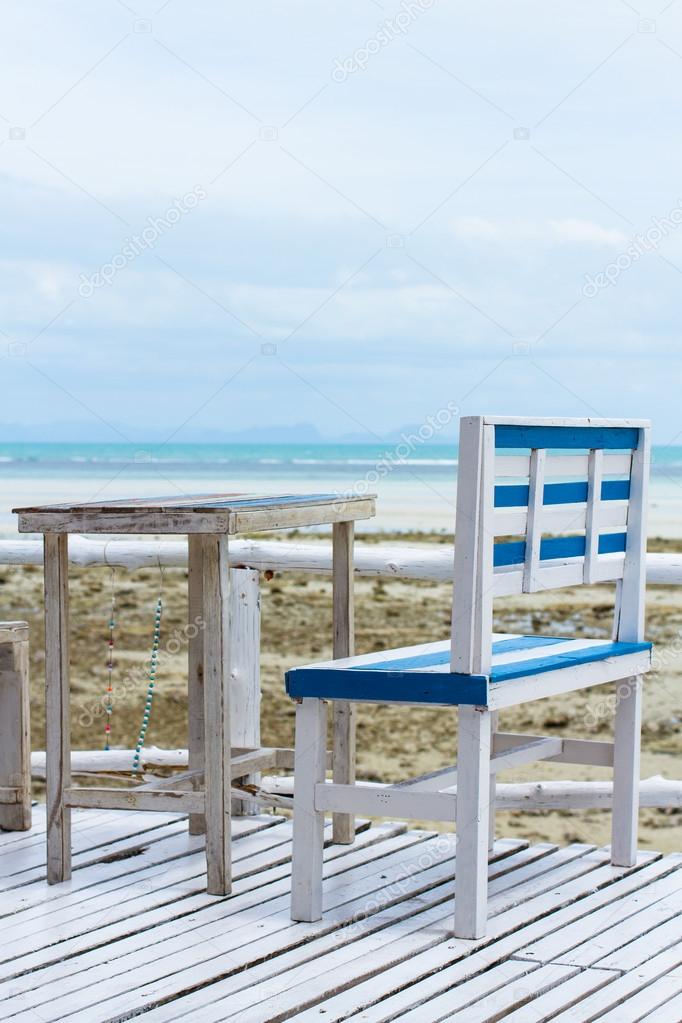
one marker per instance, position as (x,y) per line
(15,741)
(208,521)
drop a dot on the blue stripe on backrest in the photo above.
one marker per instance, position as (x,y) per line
(556,547)
(539,665)
(437,657)
(572,437)
(515,495)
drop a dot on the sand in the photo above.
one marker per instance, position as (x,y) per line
(393,742)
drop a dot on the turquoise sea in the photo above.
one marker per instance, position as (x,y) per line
(415,483)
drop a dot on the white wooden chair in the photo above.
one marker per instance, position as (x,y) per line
(574,492)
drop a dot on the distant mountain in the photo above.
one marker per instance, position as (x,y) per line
(119,433)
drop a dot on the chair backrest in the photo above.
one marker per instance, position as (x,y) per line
(546,503)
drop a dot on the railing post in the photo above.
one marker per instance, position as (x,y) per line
(245,680)
(15,741)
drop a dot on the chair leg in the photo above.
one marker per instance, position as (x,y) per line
(493,787)
(473,794)
(308,843)
(626,749)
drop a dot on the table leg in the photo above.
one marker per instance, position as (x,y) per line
(57,719)
(217,657)
(343,716)
(195,666)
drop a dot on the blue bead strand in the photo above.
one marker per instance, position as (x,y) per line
(150,686)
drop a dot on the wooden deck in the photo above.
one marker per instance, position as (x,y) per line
(133,933)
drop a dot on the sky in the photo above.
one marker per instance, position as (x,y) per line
(219,218)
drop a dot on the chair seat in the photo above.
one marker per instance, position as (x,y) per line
(421,674)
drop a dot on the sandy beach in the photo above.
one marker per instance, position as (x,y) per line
(392,742)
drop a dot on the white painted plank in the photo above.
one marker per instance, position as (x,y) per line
(556,945)
(562,466)
(140,855)
(125,897)
(21,864)
(142,947)
(491,996)
(534,524)
(630,628)
(597,514)
(559,574)
(352,966)
(609,945)
(543,1007)
(384,997)
(472,595)
(664,934)
(482,997)
(608,1001)
(366,946)
(666,1012)
(163,911)
(559,518)
(371,888)
(650,997)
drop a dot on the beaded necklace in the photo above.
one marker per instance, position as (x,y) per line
(109,695)
(151,681)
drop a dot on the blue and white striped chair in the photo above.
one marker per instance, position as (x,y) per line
(574,492)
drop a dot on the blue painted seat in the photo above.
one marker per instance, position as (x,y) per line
(421,674)
(541,504)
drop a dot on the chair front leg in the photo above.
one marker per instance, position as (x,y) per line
(473,795)
(308,843)
(626,755)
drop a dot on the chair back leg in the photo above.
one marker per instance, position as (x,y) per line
(473,796)
(626,756)
(308,841)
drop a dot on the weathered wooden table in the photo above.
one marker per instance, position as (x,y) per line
(208,521)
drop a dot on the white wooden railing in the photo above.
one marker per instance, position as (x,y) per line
(433,562)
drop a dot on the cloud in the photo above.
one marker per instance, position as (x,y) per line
(537,232)
(586,231)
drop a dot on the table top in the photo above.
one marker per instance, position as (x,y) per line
(196,513)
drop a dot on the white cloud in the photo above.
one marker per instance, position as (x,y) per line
(586,231)
(539,232)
